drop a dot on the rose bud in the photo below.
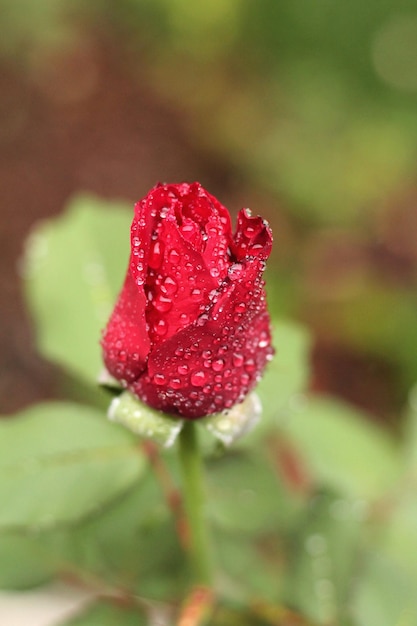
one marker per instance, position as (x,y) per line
(190,333)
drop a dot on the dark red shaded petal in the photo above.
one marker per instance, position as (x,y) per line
(213,364)
(253,237)
(125,341)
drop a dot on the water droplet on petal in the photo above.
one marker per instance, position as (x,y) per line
(161,328)
(237,359)
(263,340)
(173,256)
(184,319)
(235,271)
(218,365)
(159,379)
(198,378)
(250,365)
(156,255)
(196,295)
(162,304)
(183,369)
(169,286)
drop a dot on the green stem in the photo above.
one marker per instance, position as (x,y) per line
(193,494)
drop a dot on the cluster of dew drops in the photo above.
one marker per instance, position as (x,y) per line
(220,369)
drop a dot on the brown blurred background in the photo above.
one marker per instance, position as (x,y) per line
(304,111)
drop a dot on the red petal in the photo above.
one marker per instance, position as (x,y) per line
(253,237)
(178,282)
(125,341)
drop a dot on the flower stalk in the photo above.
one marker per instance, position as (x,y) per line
(194,505)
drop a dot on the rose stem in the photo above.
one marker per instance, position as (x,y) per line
(193,494)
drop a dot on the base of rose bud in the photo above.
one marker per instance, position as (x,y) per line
(163,429)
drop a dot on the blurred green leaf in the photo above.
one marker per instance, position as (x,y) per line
(22,562)
(74,266)
(133,544)
(60,462)
(106,614)
(410,434)
(342,448)
(245,495)
(287,374)
(251,569)
(384,595)
(322,558)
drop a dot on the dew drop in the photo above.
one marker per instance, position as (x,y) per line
(196,295)
(169,286)
(218,365)
(198,378)
(183,369)
(161,328)
(240,307)
(173,256)
(235,271)
(162,304)
(263,340)
(179,352)
(237,359)
(244,379)
(155,256)
(175,383)
(184,319)
(214,272)
(250,365)
(159,379)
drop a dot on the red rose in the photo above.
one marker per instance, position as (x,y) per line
(190,332)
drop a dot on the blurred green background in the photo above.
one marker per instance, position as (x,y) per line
(304,110)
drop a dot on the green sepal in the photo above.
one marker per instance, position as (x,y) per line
(232,424)
(139,418)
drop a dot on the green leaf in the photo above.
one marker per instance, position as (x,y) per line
(132,544)
(245,495)
(384,594)
(342,449)
(106,614)
(251,570)
(74,266)
(23,563)
(61,462)
(287,374)
(410,435)
(322,556)
(399,532)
